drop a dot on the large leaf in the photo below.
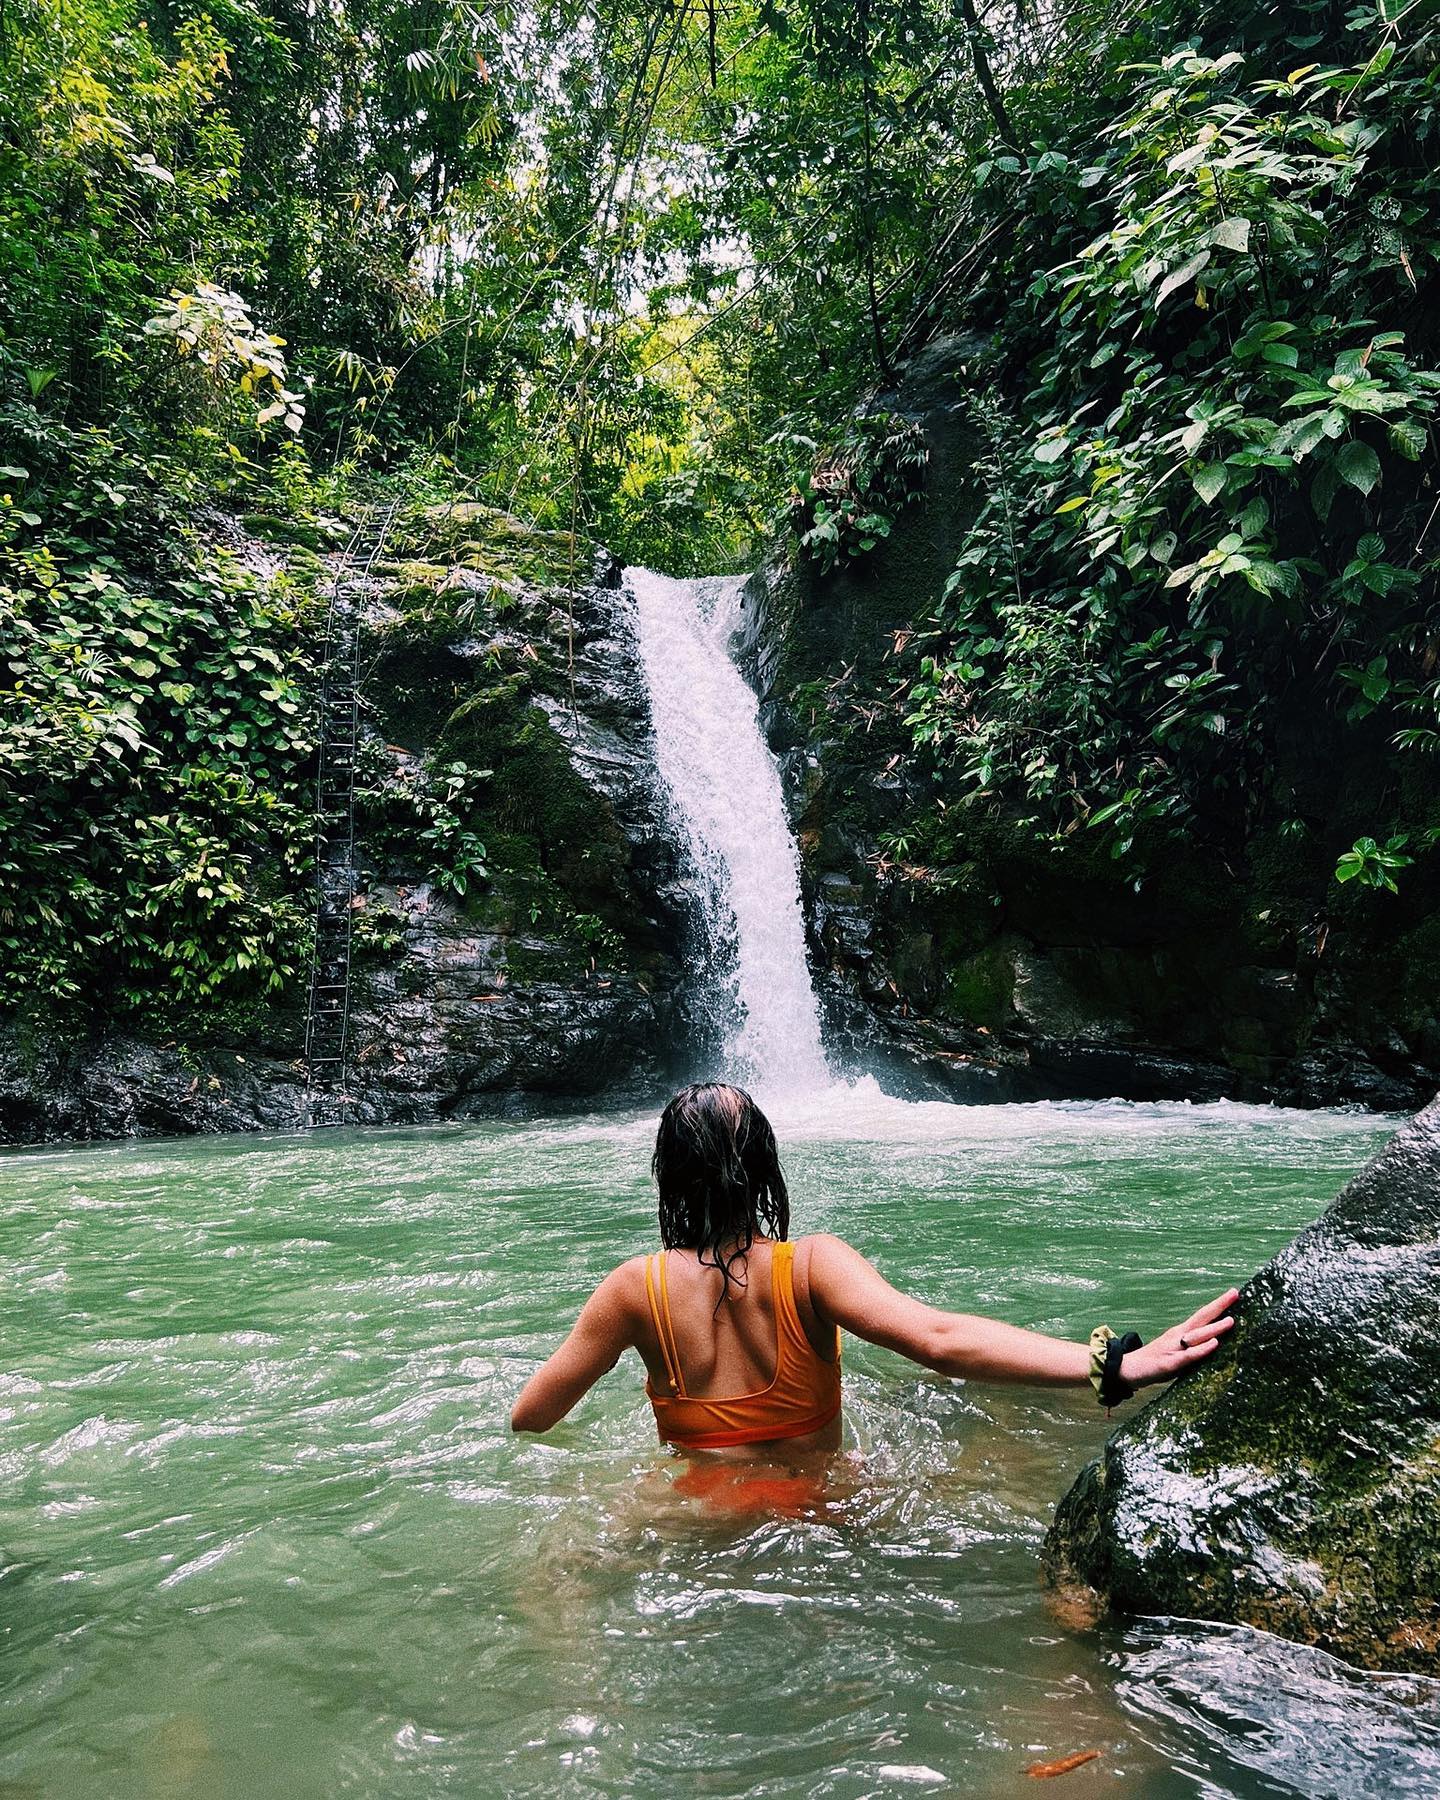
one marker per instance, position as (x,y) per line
(1358,464)
(1407,436)
(1231,234)
(1177,278)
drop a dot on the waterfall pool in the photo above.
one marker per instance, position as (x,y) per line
(264,1532)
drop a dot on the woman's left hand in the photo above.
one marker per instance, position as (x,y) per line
(1182,1345)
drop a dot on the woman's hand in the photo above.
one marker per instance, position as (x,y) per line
(1176,1349)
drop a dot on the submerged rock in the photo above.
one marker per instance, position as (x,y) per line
(1293,1483)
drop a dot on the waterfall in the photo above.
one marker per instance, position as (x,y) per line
(723,788)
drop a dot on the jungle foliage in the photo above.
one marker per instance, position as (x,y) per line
(646,273)
(1209,455)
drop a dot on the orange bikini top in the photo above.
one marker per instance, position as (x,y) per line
(803,1396)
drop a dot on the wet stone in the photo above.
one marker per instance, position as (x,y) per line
(1293,1482)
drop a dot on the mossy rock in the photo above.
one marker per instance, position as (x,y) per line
(415,685)
(413,578)
(497,544)
(980,989)
(1293,1482)
(1417,964)
(538,802)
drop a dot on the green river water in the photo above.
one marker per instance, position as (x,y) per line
(264,1531)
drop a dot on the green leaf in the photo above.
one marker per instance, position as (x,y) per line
(1231,234)
(1323,488)
(1210,482)
(1358,464)
(1162,548)
(1407,438)
(1187,271)
(1259,335)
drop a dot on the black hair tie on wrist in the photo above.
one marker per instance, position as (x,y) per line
(1112,1388)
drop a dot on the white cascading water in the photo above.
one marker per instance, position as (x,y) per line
(724,791)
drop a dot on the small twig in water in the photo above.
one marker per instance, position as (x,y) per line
(1043,1771)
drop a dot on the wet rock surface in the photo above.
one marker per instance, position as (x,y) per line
(1012,969)
(1293,1483)
(555,980)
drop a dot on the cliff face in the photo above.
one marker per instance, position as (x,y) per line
(553,978)
(956,953)
(1292,1482)
(999,967)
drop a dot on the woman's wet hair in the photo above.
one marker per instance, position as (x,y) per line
(718,1172)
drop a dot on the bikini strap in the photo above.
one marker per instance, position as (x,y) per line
(782,1284)
(787,1306)
(664,1328)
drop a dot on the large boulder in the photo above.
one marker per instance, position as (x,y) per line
(1293,1482)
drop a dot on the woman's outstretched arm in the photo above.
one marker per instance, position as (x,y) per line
(601,1335)
(847,1290)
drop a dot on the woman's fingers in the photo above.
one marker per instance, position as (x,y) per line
(1185,1337)
(1195,1349)
(1171,1355)
(1212,1309)
(1183,1345)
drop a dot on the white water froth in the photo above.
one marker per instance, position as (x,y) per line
(724,791)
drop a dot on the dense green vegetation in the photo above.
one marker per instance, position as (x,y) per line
(643,276)
(1210,455)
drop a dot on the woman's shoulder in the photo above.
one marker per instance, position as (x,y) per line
(626,1281)
(824,1260)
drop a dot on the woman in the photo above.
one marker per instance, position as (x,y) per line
(739,1329)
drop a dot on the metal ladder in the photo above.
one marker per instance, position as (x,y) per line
(327,1017)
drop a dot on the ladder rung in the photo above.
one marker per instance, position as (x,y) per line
(336,776)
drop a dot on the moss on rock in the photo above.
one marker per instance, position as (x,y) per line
(979,989)
(1293,1483)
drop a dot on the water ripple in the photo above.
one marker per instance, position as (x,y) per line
(263,1529)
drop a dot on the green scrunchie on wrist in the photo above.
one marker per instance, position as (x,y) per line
(1107,1350)
(1099,1338)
